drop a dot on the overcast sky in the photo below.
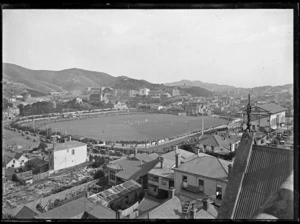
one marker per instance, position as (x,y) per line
(243,48)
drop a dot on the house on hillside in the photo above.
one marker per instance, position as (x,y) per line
(205,176)
(133,167)
(193,108)
(37,165)
(67,154)
(120,105)
(144,91)
(218,144)
(175,92)
(14,160)
(266,115)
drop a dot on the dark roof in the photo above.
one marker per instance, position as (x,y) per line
(271,108)
(69,210)
(257,173)
(101,212)
(25,213)
(37,162)
(216,141)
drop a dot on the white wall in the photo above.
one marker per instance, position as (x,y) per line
(210,185)
(64,158)
(14,162)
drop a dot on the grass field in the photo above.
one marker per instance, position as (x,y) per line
(11,138)
(137,127)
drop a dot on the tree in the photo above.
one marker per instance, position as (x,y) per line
(43,145)
(99,174)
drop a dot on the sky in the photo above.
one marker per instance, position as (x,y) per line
(237,47)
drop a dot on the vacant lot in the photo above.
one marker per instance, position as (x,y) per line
(134,127)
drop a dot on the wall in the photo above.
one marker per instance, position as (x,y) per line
(132,198)
(210,185)
(64,158)
(14,162)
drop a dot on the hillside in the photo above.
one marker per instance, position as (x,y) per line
(44,81)
(207,86)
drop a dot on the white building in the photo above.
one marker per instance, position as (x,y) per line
(144,91)
(67,154)
(120,106)
(202,176)
(14,160)
(175,92)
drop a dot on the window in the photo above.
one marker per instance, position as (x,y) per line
(201,184)
(73,151)
(184,178)
(112,175)
(14,161)
(12,166)
(204,146)
(219,192)
(126,199)
(212,148)
(67,150)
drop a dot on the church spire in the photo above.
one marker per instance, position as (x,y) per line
(248,114)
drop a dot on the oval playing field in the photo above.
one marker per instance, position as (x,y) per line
(135,127)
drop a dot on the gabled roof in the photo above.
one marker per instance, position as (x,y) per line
(37,162)
(271,108)
(69,210)
(183,153)
(257,173)
(207,166)
(26,213)
(215,141)
(101,212)
(171,209)
(147,204)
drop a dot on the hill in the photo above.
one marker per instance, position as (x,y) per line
(208,86)
(44,81)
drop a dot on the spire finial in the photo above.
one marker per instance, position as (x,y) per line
(248,114)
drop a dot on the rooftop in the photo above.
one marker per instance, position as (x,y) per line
(207,166)
(25,213)
(257,173)
(69,210)
(105,197)
(68,145)
(271,108)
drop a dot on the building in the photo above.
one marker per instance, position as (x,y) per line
(119,197)
(205,176)
(193,108)
(26,213)
(217,144)
(67,154)
(144,92)
(176,208)
(175,92)
(14,160)
(166,95)
(260,184)
(161,177)
(78,100)
(55,94)
(133,93)
(37,165)
(81,208)
(95,97)
(133,167)
(155,94)
(120,106)
(266,115)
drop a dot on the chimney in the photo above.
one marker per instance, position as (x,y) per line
(205,203)
(172,192)
(229,169)
(161,162)
(177,160)
(192,211)
(70,138)
(119,214)
(135,151)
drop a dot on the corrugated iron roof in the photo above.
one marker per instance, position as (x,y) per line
(25,213)
(271,108)
(68,145)
(267,170)
(115,192)
(257,173)
(146,205)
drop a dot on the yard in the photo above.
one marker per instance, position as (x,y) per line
(137,127)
